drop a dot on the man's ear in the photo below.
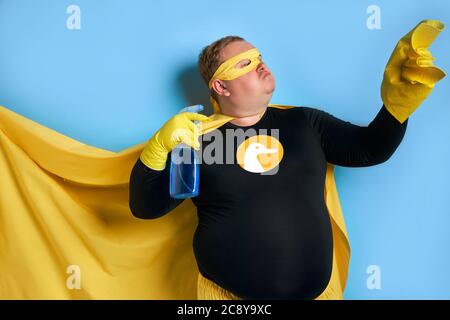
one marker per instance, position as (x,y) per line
(220,88)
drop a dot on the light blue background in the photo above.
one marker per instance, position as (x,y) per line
(132,65)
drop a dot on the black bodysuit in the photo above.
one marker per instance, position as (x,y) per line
(269,236)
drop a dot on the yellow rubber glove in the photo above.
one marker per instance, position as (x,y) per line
(410,75)
(178,129)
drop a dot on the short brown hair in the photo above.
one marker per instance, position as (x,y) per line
(209,58)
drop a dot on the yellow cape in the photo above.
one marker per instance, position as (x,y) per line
(64,215)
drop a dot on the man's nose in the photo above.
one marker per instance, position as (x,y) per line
(262,67)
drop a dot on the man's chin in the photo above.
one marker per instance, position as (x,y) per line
(269,92)
(270,89)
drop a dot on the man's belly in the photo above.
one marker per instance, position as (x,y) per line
(277,252)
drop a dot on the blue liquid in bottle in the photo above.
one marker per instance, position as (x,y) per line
(185,167)
(184,172)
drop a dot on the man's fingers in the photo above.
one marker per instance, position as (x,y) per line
(197,116)
(427,76)
(190,140)
(425,33)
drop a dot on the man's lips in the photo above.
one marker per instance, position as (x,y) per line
(263,75)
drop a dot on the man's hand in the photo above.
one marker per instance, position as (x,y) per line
(410,75)
(178,129)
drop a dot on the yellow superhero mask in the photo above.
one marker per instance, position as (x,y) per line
(231,69)
(410,75)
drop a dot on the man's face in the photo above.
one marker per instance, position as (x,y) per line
(253,88)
